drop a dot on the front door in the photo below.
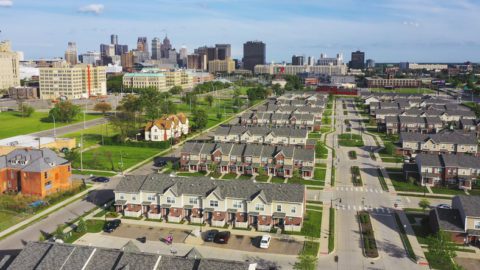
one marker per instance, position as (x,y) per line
(19,181)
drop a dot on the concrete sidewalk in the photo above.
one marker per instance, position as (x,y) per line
(417,249)
(325,230)
(45,212)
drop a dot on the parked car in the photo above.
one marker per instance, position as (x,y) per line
(222,237)
(210,235)
(265,242)
(161,163)
(444,206)
(112,225)
(101,179)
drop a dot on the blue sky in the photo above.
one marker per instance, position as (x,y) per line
(387,30)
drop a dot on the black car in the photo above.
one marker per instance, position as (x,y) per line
(210,235)
(111,225)
(101,179)
(222,237)
(161,163)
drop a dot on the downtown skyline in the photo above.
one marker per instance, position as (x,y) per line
(391,31)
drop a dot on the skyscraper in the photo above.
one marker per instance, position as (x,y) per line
(298,60)
(9,66)
(254,53)
(224,51)
(71,53)
(142,44)
(166,46)
(358,60)
(120,49)
(107,49)
(114,39)
(156,49)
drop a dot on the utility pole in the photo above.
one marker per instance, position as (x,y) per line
(81,151)
(84,113)
(54,129)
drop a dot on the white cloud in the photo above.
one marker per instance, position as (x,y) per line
(6,3)
(92,8)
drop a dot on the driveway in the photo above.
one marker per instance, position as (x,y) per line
(153,233)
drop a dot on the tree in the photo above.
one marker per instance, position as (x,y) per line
(257,93)
(305,262)
(130,103)
(102,107)
(72,155)
(424,204)
(219,115)
(82,226)
(278,90)
(114,83)
(124,123)
(200,118)
(64,111)
(26,110)
(190,99)
(209,99)
(442,249)
(175,90)
(268,92)
(59,232)
(151,100)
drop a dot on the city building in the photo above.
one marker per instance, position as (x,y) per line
(370,63)
(298,60)
(200,76)
(156,48)
(38,172)
(183,57)
(254,53)
(54,256)
(249,159)
(107,50)
(240,203)
(357,61)
(275,69)
(33,142)
(447,169)
(424,125)
(330,61)
(392,83)
(165,47)
(91,58)
(224,51)
(142,44)
(23,92)
(167,128)
(428,67)
(114,39)
(311,61)
(127,61)
(221,66)
(71,55)
(162,79)
(72,82)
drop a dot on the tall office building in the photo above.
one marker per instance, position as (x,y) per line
(358,60)
(182,58)
(165,47)
(114,39)
(9,66)
(127,61)
(91,58)
(120,49)
(193,61)
(298,60)
(142,44)
(254,53)
(370,63)
(71,53)
(72,82)
(107,50)
(224,51)
(311,61)
(156,48)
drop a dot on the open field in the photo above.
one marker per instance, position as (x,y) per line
(93,135)
(13,124)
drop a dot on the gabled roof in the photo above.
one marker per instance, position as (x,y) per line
(471,205)
(31,160)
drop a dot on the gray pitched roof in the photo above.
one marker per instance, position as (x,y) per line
(214,264)
(471,205)
(446,136)
(177,263)
(31,160)
(137,261)
(429,160)
(30,256)
(203,186)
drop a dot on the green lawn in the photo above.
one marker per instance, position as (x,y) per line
(92,135)
(400,184)
(9,218)
(13,124)
(109,157)
(445,190)
(325,129)
(314,135)
(278,180)
(191,174)
(261,178)
(87,172)
(403,90)
(350,140)
(310,248)
(312,223)
(321,151)
(229,176)
(319,174)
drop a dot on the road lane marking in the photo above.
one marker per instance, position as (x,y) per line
(408,200)
(349,207)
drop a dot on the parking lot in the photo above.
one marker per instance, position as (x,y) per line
(285,245)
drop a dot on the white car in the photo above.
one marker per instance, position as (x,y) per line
(265,242)
(443,206)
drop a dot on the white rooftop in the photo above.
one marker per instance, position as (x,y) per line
(26,141)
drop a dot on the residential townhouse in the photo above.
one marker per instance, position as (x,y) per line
(470,125)
(292,120)
(37,172)
(307,96)
(275,160)
(377,97)
(447,142)
(240,203)
(264,135)
(450,117)
(397,124)
(57,256)
(469,210)
(166,128)
(319,103)
(459,170)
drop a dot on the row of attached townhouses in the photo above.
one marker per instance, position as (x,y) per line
(397,124)
(470,125)
(306,96)
(268,108)
(264,135)
(460,169)
(444,142)
(306,121)
(241,158)
(166,128)
(450,116)
(199,200)
(379,97)
(297,103)
(430,104)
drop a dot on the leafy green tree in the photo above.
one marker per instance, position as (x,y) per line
(305,262)
(82,226)
(72,155)
(294,82)
(278,90)
(130,103)
(257,93)
(59,232)
(424,204)
(442,249)
(124,124)
(175,90)
(209,99)
(200,118)
(26,110)
(219,115)
(64,111)
(190,99)
(114,83)
(102,107)
(151,101)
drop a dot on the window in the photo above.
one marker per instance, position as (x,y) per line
(264,159)
(248,159)
(294,209)
(193,201)
(46,174)
(233,158)
(214,203)
(134,198)
(237,204)
(122,197)
(170,200)
(279,208)
(259,207)
(151,198)
(477,224)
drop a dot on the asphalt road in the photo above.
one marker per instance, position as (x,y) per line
(97,197)
(70,128)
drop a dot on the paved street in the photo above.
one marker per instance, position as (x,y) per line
(369,197)
(70,128)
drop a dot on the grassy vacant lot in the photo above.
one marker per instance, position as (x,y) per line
(13,124)
(93,135)
(403,90)
(350,140)
(109,157)
(9,218)
(399,182)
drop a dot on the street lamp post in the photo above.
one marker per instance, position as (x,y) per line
(54,129)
